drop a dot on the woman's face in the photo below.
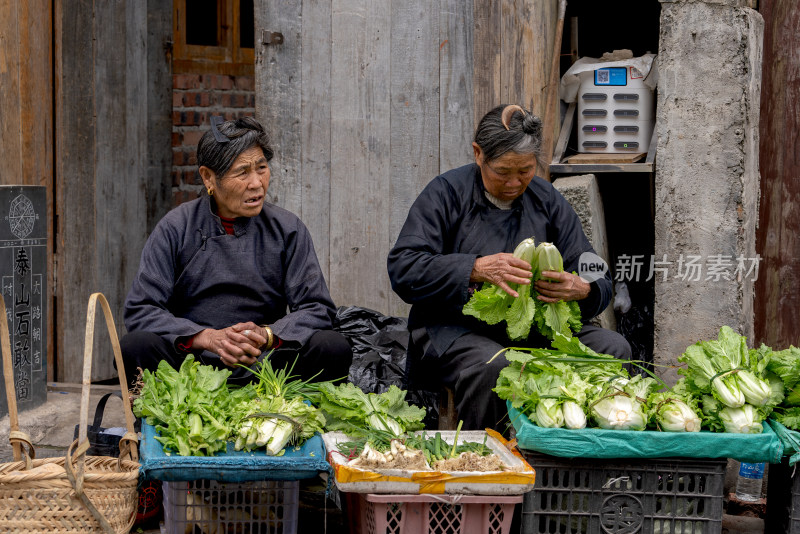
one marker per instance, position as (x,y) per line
(241,191)
(508,176)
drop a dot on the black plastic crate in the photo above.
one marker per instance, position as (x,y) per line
(621,496)
(783,499)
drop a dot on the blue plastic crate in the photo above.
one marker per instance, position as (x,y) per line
(300,463)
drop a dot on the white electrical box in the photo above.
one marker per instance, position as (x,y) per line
(616,111)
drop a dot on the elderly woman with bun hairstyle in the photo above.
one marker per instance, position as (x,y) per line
(230,277)
(460,232)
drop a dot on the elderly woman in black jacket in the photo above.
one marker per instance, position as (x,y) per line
(230,277)
(460,232)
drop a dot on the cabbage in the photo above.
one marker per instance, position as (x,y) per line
(619,412)
(744,420)
(755,390)
(493,305)
(573,415)
(674,415)
(548,414)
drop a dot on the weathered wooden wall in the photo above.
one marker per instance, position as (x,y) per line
(113,106)
(777,301)
(368,100)
(26,108)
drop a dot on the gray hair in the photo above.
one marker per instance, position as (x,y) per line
(522,134)
(242,134)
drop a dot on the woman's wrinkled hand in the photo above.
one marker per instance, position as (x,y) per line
(554,286)
(235,344)
(500,270)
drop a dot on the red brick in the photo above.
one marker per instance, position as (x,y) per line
(191,158)
(177,99)
(245,83)
(177,157)
(192,137)
(224,99)
(191,176)
(226,82)
(177,176)
(179,197)
(185,81)
(177,139)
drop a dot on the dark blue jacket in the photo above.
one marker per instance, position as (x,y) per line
(194,276)
(452,223)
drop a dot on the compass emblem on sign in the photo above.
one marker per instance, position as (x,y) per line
(21,216)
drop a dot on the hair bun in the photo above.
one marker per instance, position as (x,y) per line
(531,124)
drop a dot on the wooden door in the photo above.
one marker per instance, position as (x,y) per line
(113,127)
(368,100)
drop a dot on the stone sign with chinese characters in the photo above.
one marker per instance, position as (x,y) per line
(23,279)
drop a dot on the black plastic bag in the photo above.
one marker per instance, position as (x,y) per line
(380,349)
(103,441)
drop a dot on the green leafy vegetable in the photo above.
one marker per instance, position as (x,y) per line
(189,407)
(493,305)
(350,410)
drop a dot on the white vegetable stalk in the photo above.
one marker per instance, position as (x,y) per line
(744,420)
(677,416)
(755,390)
(548,414)
(573,415)
(728,392)
(619,412)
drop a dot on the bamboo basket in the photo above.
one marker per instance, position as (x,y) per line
(76,493)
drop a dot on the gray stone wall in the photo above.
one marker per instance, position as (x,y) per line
(706,184)
(583,194)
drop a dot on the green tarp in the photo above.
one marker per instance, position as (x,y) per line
(599,443)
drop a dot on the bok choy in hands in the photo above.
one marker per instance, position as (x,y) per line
(492,305)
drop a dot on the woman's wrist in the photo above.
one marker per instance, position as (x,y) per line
(269,335)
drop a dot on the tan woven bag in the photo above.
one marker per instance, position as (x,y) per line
(74,494)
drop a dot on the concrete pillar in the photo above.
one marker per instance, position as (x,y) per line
(706,183)
(583,194)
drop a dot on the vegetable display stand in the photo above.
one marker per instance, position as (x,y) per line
(429,514)
(646,496)
(266,506)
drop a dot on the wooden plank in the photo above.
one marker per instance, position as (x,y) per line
(516,50)
(315,126)
(10,125)
(777,303)
(605,158)
(456,108)
(414,137)
(486,58)
(116,160)
(360,155)
(158,186)
(26,108)
(278,97)
(75,187)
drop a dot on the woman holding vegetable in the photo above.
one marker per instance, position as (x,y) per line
(460,233)
(229,277)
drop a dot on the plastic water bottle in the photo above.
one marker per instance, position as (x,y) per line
(748,485)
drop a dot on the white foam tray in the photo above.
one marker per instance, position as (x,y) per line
(452,485)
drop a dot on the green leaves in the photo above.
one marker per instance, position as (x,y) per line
(189,407)
(349,409)
(492,305)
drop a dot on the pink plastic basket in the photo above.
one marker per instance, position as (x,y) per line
(431,514)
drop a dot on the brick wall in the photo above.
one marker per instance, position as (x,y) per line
(195,97)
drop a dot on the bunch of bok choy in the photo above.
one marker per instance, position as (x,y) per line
(279,415)
(492,305)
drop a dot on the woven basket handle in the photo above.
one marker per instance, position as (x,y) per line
(128,442)
(17,438)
